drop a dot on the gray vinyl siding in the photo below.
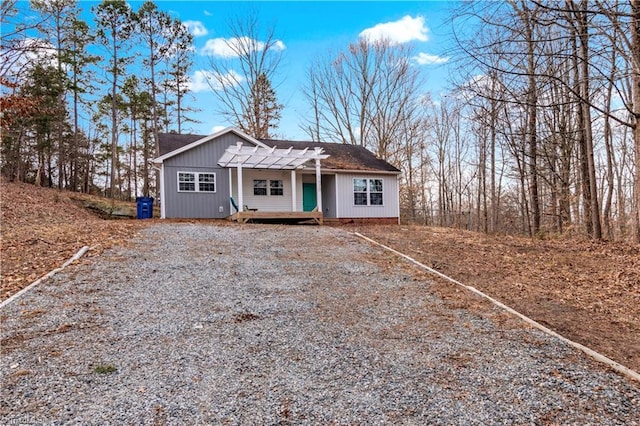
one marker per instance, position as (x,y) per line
(203,158)
(329,196)
(346,207)
(283,203)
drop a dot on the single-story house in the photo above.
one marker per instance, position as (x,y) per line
(231,175)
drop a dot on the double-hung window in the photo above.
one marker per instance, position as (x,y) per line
(206,182)
(270,187)
(259,187)
(276,187)
(196,182)
(367,192)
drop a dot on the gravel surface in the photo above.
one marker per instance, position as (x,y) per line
(259,324)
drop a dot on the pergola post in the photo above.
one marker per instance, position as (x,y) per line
(318,186)
(239,183)
(294,201)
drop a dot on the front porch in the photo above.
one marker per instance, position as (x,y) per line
(271,184)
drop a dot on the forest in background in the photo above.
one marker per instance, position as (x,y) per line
(74,113)
(538,134)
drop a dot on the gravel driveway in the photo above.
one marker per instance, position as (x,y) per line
(258,324)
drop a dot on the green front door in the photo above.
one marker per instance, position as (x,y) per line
(309,201)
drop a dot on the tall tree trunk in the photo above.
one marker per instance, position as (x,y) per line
(581,137)
(482,184)
(76,136)
(635,67)
(114,117)
(492,156)
(608,142)
(583,32)
(532,124)
(620,194)
(134,132)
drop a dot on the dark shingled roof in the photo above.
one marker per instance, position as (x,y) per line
(171,141)
(341,156)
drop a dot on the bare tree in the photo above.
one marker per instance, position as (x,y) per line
(441,120)
(557,61)
(635,61)
(363,95)
(15,42)
(241,67)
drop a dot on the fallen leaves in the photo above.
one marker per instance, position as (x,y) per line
(42,228)
(588,291)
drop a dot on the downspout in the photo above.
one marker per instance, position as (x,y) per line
(230,192)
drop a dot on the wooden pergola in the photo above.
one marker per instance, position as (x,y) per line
(257,157)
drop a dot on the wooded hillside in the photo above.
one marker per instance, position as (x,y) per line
(537,133)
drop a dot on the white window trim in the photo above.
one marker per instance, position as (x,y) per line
(197,182)
(368,192)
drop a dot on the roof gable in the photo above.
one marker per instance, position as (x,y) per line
(172,144)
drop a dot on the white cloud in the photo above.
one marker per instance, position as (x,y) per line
(217,47)
(202,80)
(216,129)
(196,28)
(427,59)
(198,82)
(402,31)
(207,13)
(228,47)
(25,55)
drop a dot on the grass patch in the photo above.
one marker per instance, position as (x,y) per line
(105,369)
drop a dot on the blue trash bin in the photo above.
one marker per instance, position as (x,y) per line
(144,207)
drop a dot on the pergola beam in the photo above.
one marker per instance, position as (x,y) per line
(268,158)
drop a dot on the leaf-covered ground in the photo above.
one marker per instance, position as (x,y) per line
(587,291)
(42,228)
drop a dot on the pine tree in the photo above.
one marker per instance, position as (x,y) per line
(265,112)
(115,25)
(178,63)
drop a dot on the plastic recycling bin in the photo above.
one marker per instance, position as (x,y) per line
(144,207)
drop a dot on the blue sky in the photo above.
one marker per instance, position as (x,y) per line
(308,29)
(311,29)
